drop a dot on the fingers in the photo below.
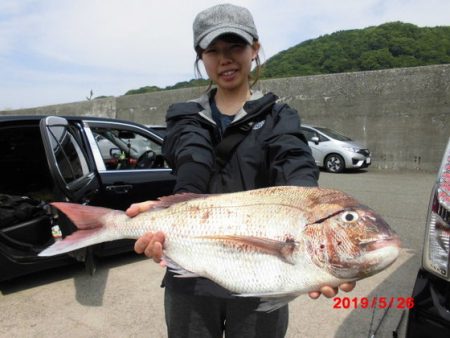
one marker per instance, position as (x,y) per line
(132,210)
(347,287)
(328,291)
(151,245)
(142,242)
(331,292)
(154,250)
(314,294)
(137,208)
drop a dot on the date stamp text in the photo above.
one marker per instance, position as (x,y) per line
(373,302)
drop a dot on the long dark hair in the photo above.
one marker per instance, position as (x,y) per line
(253,76)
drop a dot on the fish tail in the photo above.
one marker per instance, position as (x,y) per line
(91,229)
(83,216)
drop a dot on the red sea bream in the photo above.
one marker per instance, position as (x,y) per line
(273,243)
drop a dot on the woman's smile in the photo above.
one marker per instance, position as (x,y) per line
(228,75)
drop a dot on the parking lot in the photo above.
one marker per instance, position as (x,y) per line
(123,298)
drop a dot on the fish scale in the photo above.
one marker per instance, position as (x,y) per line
(274,243)
(189,254)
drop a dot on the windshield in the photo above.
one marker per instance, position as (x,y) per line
(333,134)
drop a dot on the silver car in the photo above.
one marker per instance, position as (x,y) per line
(334,151)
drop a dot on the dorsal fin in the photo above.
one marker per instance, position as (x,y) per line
(167,201)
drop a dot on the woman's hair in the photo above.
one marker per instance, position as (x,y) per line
(253,78)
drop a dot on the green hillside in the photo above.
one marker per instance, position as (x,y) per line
(184,84)
(390,45)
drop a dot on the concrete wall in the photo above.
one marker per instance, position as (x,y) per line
(101,107)
(402,115)
(151,108)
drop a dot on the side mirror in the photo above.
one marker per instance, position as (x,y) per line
(115,152)
(315,139)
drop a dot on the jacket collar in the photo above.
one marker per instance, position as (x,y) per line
(252,107)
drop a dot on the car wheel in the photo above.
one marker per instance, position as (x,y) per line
(334,163)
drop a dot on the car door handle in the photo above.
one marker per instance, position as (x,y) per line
(119,189)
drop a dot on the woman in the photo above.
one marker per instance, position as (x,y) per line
(230,139)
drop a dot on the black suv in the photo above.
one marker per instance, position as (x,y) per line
(430,316)
(95,161)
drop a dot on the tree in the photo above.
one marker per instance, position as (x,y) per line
(393,44)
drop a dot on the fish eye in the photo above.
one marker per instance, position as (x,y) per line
(349,216)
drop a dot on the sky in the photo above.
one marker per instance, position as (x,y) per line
(57,51)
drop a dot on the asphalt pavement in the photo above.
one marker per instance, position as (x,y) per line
(124,299)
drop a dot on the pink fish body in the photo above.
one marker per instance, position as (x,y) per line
(274,243)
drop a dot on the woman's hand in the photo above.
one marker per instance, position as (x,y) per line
(150,244)
(136,208)
(331,292)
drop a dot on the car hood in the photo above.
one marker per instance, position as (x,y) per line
(352,144)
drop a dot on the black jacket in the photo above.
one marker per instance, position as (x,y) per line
(274,152)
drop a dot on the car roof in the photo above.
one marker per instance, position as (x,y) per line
(156,126)
(310,126)
(7,118)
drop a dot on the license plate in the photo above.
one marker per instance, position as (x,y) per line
(368,160)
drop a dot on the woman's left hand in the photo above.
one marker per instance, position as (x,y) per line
(331,292)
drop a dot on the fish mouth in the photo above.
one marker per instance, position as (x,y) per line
(378,254)
(379,243)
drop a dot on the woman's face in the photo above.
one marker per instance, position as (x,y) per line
(228,62)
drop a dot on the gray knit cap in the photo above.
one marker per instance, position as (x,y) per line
(223,19)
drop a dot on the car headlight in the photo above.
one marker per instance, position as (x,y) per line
(353,150)
(436,254)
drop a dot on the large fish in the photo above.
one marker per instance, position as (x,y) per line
(273,243)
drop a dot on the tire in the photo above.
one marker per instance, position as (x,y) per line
(334,163)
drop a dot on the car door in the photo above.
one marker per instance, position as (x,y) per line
(316,147)
(70,169)
(129,163)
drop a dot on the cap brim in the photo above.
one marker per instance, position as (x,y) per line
(210,37)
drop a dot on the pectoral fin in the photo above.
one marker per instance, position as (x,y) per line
(281,249)
(272,301)
(177,269)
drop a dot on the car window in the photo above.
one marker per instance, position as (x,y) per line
(123,149)
(160,130)
(322,138)
(334,134)
(69,157)
(308,133)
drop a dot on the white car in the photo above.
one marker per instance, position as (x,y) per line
(334,151)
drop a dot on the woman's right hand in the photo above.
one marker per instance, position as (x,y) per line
(150,244)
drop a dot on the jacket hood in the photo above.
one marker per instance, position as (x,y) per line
(253,106)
